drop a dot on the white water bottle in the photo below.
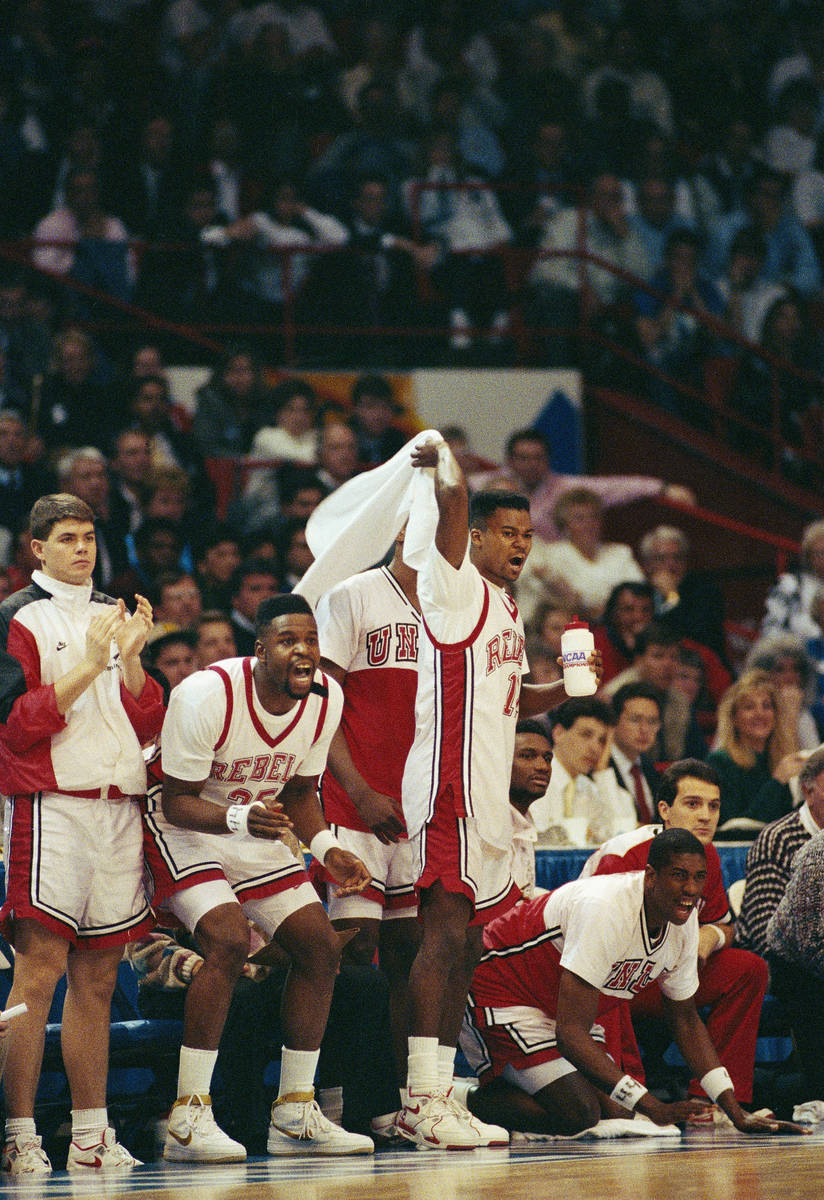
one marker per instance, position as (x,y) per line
(577,643)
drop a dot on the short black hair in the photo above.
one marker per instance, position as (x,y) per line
(293,479)
(530,725)
(373,385)
(484,504)
(670,842)
(636,691)
(253,566)
(685,768)
(153,649)
(278,606)
(657,633)
(582,706)
(527,435)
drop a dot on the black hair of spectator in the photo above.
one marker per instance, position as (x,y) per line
(293,479)
(657,633)
(153,649)
(254,566)
(671,842)
(685,768)
(152,525)
(279,606)
(377,386)
(215,533)
(530,725)
(527,435)
(637,690)
(483,504)
(582,706)
(287,389)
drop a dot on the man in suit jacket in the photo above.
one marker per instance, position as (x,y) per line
(638,708)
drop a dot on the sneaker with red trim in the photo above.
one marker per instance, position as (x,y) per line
(24,1155)
(384,1129)
(434,1121)
(105,1155)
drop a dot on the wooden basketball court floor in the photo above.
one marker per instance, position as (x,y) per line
(700,1165)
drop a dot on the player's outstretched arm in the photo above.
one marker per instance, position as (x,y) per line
(537,698)
(692,1039)
(576,1014)
(452,495)
(382,814)
(300,801)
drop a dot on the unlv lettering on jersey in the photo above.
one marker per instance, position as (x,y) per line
(407,635)
(631,975)
(274,768)
(505,647)
(377,646)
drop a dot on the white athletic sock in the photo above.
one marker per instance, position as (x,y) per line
(422,1071)
(89,1125)
(446,1066)
(194,1074)
(297,1070)
(22,1127)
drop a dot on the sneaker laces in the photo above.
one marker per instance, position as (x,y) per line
(314,1121)
(198,1113)
(119,1156)
(30,1150)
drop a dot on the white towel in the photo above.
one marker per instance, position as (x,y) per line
(356,525)
(610,1127)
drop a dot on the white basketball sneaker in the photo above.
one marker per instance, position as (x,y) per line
(436,1122)
(298,1126)
(195,1136)
(25,1155)
(384,1128)
(490,1135)
(106,1155)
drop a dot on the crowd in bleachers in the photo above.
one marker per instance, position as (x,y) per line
(161,152)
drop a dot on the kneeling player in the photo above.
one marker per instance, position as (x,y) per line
(552,966)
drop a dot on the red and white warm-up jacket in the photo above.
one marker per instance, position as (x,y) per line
(97,744)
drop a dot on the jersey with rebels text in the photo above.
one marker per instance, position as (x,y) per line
(595,928)
(469,680)
(216,729)
(367,626)
(629,852)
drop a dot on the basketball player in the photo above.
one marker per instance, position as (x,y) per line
(456,779)
(731,981)
(75,706)
(244,742)
(555,966)
(369,627)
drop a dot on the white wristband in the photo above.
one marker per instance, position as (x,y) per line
(716,1081)
(720,937)
(627,1092)
(322,843)
(237,816)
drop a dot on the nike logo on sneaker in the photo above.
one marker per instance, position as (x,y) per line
(414,1111)
(61,646)
(94,1161)
(184,1141)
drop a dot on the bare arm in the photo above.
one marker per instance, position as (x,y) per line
(577,1011)
(693,1041)
(300,800)
(383,814)
(183,805)
(452,496)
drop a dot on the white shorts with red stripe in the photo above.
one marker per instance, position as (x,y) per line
(451,851)
(75,866)
(177,859)
(391,894)
(517,1042)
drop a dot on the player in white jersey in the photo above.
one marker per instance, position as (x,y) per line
(456,780)
(369,629)
(555,966)
(243,745)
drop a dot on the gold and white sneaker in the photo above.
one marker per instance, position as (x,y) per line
(194,1135)
(298,1126)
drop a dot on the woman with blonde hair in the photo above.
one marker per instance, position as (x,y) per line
(756,750)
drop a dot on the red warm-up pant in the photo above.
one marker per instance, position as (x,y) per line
(732,982)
